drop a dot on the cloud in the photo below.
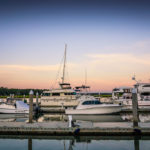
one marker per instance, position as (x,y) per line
(119,58)
(34,68)
(135,48)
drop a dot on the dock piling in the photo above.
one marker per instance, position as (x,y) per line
(31,106)
(135,108)
(37,97)
(70,120)
(29,144)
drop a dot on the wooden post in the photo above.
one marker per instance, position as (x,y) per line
(29,144)
(136,144)
(37,96)
(135,108)
(31,106)
(24,98)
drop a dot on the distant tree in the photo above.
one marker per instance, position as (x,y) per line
(20,92)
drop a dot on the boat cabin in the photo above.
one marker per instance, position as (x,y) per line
(59,98)
(122,93)
(143,90)
(58,93)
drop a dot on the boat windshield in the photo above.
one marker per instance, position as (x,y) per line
(72,93)
(145,94)
(91,102)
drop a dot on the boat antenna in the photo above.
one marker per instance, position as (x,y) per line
(63,77)
(85,76)
(85,80)
(133,78)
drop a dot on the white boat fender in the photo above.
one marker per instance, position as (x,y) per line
(70,120)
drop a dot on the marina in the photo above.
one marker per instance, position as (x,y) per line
(74,75)
(80,125)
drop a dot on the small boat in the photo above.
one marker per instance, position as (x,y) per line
(124,95)
(20,108)
(89,105)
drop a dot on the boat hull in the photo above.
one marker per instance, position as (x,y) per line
(94,110)
(13,111)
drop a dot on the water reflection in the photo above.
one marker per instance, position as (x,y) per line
(123,117)
(13,117)
(136,144)
(74,143)
(126,117)
(29,144)
(98,118)
(92,118)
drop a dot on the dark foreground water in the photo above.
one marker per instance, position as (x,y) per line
(74,143)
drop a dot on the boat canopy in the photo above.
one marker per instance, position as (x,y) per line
(21,105)
(65,85)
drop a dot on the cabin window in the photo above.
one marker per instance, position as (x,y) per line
(97,102)
(146,85)
(55,94)
(73,93)
(145,94)
(46,94)
(86,103)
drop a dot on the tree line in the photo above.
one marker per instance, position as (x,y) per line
(20,92)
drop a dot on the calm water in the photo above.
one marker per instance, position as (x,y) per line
(144,117)
(74,143)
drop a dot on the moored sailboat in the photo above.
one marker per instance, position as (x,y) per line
(62,97)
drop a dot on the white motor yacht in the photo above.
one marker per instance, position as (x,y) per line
(89,105)
(124,95)
(20,108)
(121,94)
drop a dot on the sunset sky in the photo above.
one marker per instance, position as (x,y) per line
(110,39)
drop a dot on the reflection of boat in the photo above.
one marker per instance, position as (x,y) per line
(98,118)
(20,108)
(89,105)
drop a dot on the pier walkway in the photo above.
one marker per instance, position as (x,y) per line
(62,129)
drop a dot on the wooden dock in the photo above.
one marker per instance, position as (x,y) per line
(61,128)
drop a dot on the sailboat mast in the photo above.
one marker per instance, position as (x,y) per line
(63,78)
(85,76)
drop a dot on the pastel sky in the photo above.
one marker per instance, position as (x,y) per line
(110,39)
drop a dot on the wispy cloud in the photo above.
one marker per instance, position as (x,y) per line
(119,58)
(34,68)
(135,48)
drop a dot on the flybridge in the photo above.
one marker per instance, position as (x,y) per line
(65,85)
